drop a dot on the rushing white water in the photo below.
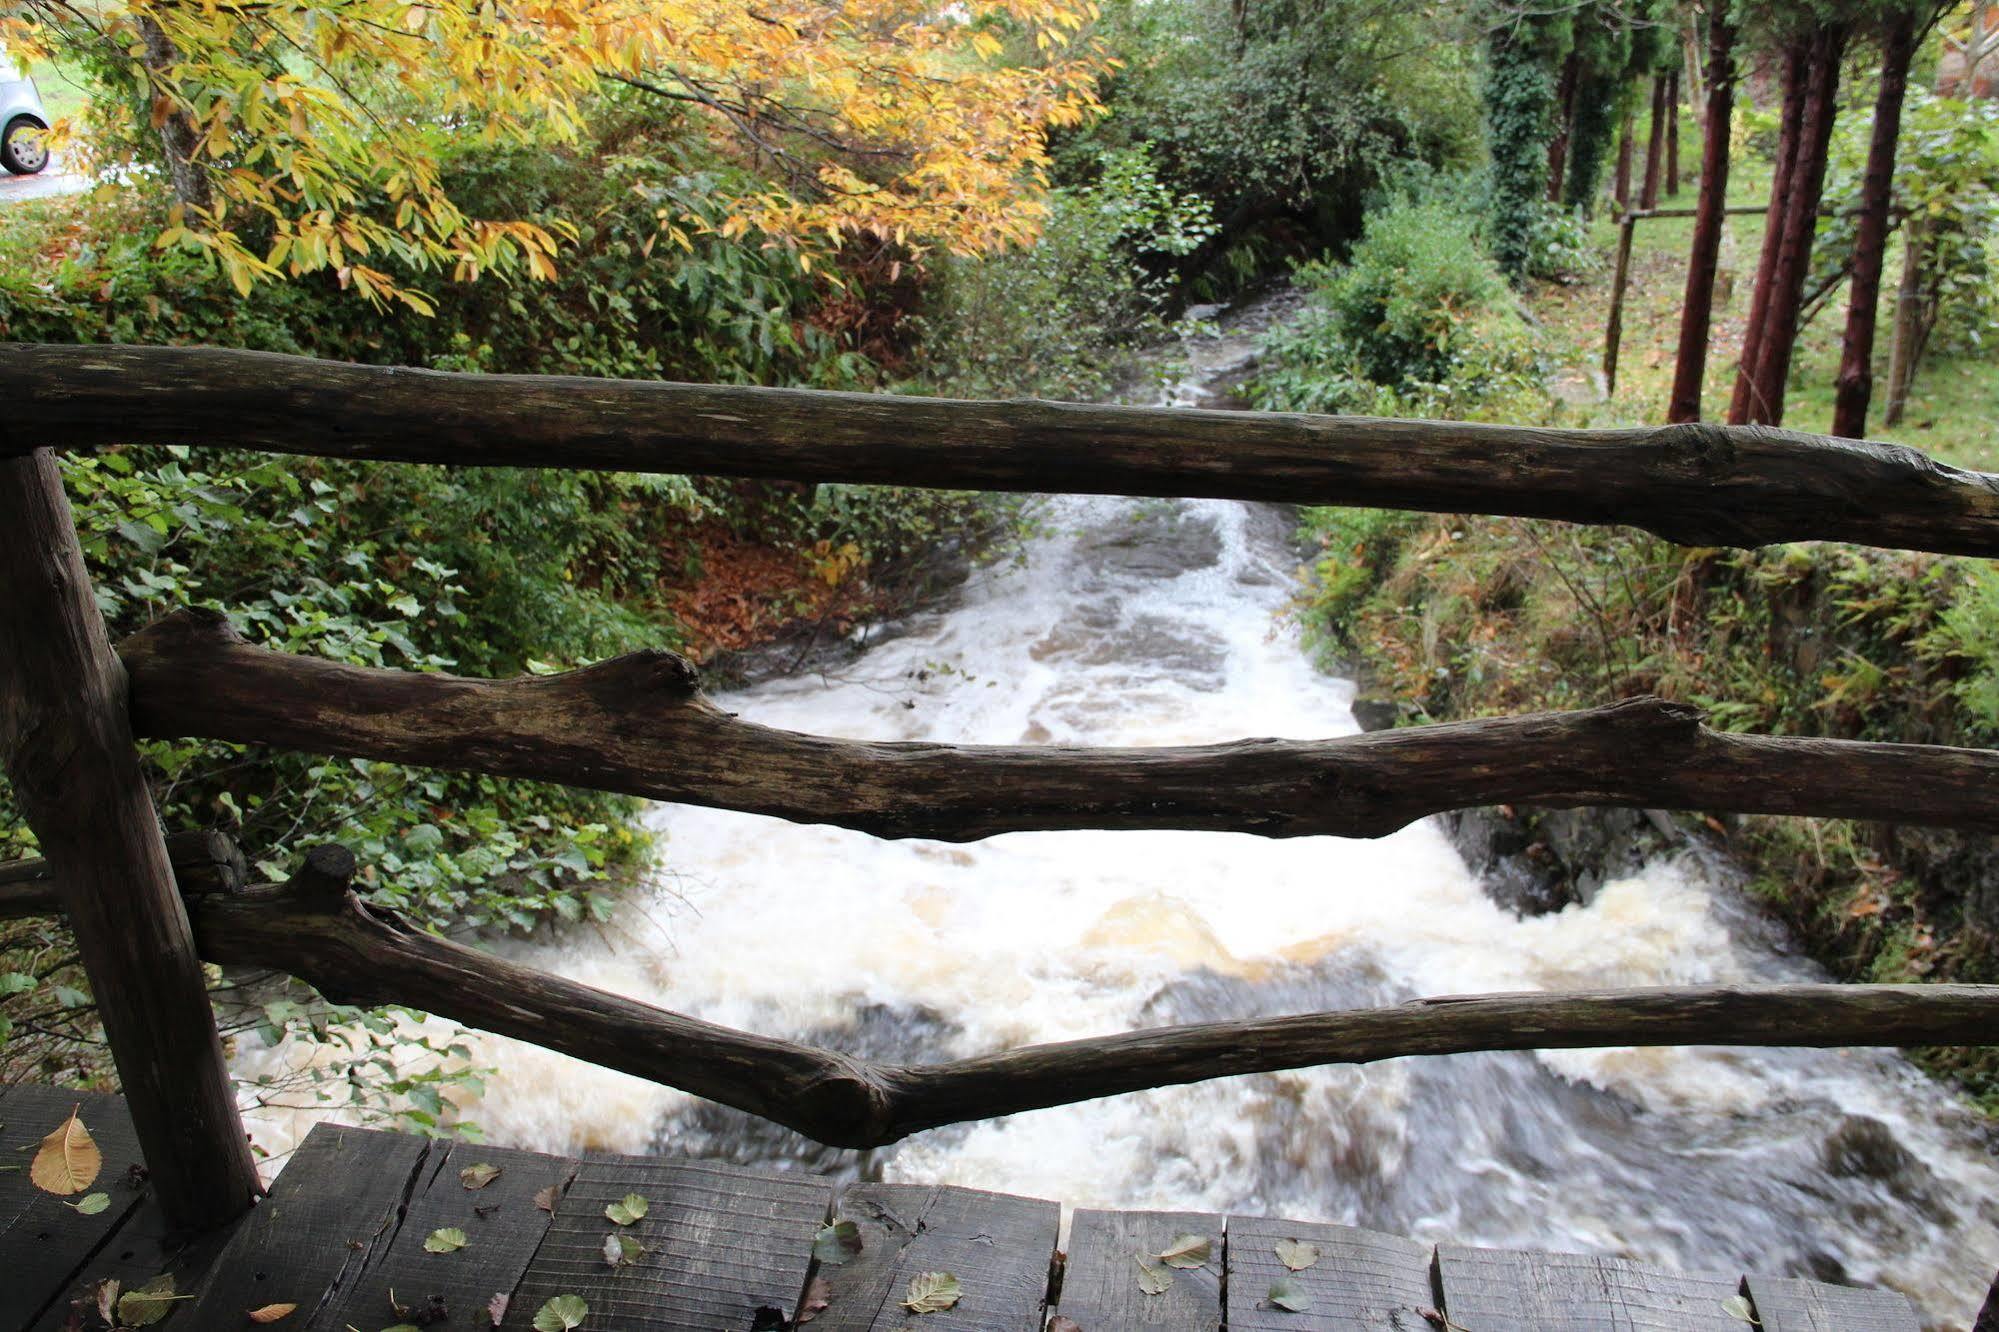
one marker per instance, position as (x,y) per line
(1153,623)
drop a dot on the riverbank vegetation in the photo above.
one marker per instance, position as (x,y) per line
(721,192)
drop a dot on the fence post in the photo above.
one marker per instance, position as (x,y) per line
(67,742)
(1614,333)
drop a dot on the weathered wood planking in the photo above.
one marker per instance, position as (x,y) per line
(337,1201)
(724,1248)
(1100,1281)
(999,1247)
(144,1247)
(502,1226)
(1503,1290)
(43,1239)
(1786,1304)
(1364,1280)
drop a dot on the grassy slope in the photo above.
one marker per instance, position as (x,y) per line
(1462,616)
(1950,410)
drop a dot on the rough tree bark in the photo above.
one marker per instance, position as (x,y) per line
(1697,310)
(1673,135)
(177,133)
(1695,484)
(1870,246)
(1753,326)
(637,724)
(1621,181)
(67,744)
(1565,126)
(1801,216)
(1655,145)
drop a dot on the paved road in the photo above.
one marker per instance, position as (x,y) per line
(51,182)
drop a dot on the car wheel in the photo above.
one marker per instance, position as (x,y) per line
(21,149)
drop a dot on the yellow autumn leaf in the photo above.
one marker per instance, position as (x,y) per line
(271,1313)
(68,1160)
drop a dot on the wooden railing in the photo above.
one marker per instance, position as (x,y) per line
(146,909)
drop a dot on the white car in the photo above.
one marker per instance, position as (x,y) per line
(22,121)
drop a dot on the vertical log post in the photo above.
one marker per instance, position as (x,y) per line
(67,742)
(1615,333)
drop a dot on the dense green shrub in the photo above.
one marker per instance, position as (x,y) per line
(1284,115)
(1051,319)
(1419,322)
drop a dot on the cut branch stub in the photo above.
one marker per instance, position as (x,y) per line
(638,725)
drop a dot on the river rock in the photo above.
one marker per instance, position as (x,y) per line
(1535,861)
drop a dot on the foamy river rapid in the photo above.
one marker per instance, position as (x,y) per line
(1134,622)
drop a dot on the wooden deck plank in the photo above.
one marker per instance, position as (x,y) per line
(1363,1279)
(143,1248)
(1786,1304)
(502,1225)
(1100,1286)
(45,1240)
(1502,1290)
(998,1246)
(725,1248)
(336,1201)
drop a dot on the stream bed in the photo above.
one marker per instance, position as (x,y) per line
(1140,622)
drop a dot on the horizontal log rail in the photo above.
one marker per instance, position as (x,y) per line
(638,724)
(317,929)
(1696,483)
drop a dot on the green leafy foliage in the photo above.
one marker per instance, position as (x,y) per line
(1522,51)
(1051,319)
(1419,322)
(1283,115)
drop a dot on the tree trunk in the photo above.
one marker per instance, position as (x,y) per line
(1794,262)
(1856,365)
(1903,351)
(1697,310)
(1773,231)
(1673,135)
(1655,145)
(1697,84)
(67,740)
(1621,188)
(1565,127)
(177,133)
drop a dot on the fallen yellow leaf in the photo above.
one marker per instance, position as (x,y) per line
(271,1313)
(68,1160)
